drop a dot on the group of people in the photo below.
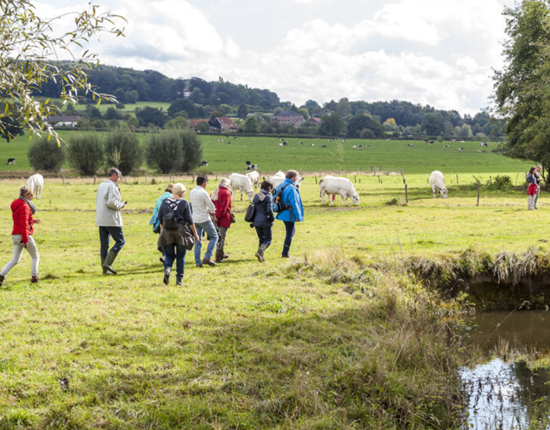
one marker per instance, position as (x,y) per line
(203,215)
(534,179)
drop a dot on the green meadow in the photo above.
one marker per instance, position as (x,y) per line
(337,337)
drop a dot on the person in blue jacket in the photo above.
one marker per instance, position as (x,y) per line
(290,197)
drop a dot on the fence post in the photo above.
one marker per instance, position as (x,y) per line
(457,179)
(95,177)
(478,191)
(406,193)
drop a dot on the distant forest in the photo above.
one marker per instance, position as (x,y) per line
(197,98)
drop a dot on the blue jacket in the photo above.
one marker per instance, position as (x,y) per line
(531,179)
(263,214)
(155,218)
(291,197)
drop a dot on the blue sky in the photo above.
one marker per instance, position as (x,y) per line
(437,52)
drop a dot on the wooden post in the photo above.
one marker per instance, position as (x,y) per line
(95,177)
(457,179)
(406,193)
(491,179)
(354,177)
(63,180)
(404,181)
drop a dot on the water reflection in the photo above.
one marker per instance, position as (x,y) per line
(508,395)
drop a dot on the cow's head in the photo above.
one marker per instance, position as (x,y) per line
(298,181)
(250,195)
(355,199)
(443,192)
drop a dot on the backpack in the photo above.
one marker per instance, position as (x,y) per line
(170,221)
(278,205)
(250,212)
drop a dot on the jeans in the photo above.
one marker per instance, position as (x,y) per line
(536,197)
(290,230)
(105,234)
(18,250)
(210,229)
(531,202)
(264,235)
(175,252)
(221,239)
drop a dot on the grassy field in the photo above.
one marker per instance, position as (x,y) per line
(321,341)
(264,151)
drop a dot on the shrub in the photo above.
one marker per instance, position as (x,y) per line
(174,150)
(123,151)
(85,153)
(503,182)
(46,155)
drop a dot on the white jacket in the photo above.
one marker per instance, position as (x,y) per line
(201,204)
(108,204)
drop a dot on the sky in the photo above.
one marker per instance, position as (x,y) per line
(437,52)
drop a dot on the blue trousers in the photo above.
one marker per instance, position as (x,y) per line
(210,229)
(175,252)
(290,230)
(105,234)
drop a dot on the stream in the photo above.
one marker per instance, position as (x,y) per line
(504,393)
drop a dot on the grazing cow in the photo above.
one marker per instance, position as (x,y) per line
(241,182)
(279,178)
(254,178)
(204,163)
(437,182)
(302,143)
(281,144)
(323,146)
(36,183)
(409,144)
(431,142)
(446,146)
(461,149)
(252,167)
(342,186)
(354,146)
(11,161)
(312,144)
(285,143)
(483,144)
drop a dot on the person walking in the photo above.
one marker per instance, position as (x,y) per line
(202,207)
(221,197)
(109,220)
(154,219)
(263,218)
(172,240)
(538,177)
(23,210)
(531,189)
(290,197)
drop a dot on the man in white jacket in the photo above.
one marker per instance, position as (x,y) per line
(202,207)
(109,220)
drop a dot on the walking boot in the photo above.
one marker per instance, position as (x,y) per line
(105,272)
(209,262)
(167,271)
(108,263)
(179,282)
(225,256)
(2,280)
(34,280)
(219,256)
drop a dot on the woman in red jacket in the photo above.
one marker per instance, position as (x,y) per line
(221,197)
(22,211)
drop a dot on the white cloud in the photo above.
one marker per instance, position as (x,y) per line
(438,52)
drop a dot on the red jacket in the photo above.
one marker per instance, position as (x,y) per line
(532,189)
(22,219)
(223,207)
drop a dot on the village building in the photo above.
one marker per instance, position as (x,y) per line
(62,121)
(289,117)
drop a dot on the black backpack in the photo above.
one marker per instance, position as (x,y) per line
(278,205)
(170,220)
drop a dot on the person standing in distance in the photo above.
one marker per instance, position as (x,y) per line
(109,219)
(202,207)
(538,177)
(295,213)
(23,227)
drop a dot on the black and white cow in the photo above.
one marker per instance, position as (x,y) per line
(11,161)
(204,163)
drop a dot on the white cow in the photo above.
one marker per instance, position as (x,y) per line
(241,182)
(437,182)
(342,186)
(36,183)
(254,179)
(279,177)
